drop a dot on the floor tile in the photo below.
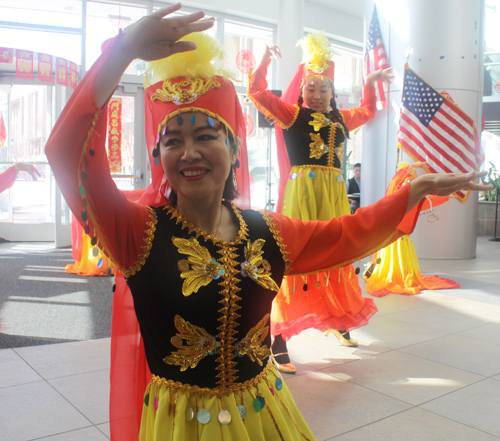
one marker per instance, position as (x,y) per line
(36,410)
(392,333)
(489,333)
(104,428)
(53,361)
(460,352)
(404,377)
(88,434)
(87,392)
(14,370)
(328,404)
(415,425)
(476,406)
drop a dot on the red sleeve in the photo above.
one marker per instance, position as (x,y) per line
(77,156)
(7,178)
(314,246)
(357,116)
(283,114)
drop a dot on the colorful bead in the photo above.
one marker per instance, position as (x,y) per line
(300,174)
(339,178)
(227,142)
(82,190)
(95,251)
(180,121)
(279,383)
(84,176)
(272,391)
(84,216)
(224,417)
(189,413)
(259,403)
(86,229)
(100,263)
(294,175)
(203,416)
(238,163)
(192,119)
(155,152)
(210,121)
(157,138)
(146,400)
(357,270)
(311,175)
(157,162)
(235,148)
(156,403)
(242,410)
(92,152)
(305,287)
(108,271)
(93,241)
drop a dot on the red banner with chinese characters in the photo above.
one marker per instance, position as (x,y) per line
(6,55)
(24,64)
(115,135)
(62,71)
(45,67)
(72,74)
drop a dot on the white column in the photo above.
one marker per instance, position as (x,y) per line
(290,30)
(447,38)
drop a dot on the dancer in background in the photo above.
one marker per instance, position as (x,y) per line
(395,268)
(310,154)
(8,177)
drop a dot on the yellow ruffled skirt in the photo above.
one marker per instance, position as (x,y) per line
(327,300)
(399,272)
(259,410)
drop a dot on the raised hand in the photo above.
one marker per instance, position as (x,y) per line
(29,168)
(384,75)
(155,37)
(272,50)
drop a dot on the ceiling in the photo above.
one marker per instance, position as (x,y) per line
(352,7)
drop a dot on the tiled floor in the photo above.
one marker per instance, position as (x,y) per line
(427,369)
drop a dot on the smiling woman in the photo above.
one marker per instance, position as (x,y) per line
(190,340)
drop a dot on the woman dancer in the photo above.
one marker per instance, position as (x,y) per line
(311,142)
(395,268)
(202,272)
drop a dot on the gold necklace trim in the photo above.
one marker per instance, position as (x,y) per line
(148,239)
(279,240)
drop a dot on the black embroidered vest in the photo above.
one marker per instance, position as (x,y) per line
(202,304)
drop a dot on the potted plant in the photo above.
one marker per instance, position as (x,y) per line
(493,179)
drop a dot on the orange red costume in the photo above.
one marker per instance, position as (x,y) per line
(7,178)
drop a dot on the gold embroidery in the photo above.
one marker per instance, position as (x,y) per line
(250,268)
(184,92)
(318,147)
(204,268)
(332,137)
(279,240)
(252,345)
(150,235)
(199,344)
(205,391)
(319,120)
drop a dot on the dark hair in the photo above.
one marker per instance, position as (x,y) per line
(229,193)
(358,164)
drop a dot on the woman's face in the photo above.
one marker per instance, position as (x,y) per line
(317,93)
(195,157)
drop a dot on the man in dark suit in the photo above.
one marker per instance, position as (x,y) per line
(354,188)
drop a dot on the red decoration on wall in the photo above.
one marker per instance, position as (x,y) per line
(45,67)
(24,64)
(62,71)
(73,74)
(3,131)
(245,61)
(248,123)
(115,135)
(497,88)
(6,55)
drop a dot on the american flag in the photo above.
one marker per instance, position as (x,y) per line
(375,58)
(434,129)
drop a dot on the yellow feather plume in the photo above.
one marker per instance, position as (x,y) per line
(207,60)
(316,48)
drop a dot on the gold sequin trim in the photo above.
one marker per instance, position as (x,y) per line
(199,269)
(197,391)
(185,224)
(252,346)
(184,92)
(253,260)
(319,121)
(317,147)
(150,234)
(279,240)
(268,114)
(199,344)
(331,143)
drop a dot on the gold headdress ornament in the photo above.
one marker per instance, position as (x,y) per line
(317,52)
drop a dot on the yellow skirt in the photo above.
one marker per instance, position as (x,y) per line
(327,300)
(259,410)
(399,272)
